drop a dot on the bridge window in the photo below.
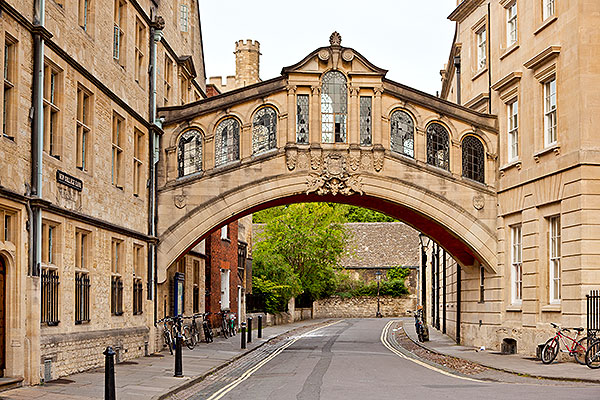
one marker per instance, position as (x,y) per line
(227,142)
(365,120)
(264,130)
(402,133)
(334,108)
(473,159)
(189,157)
(438,150)
(302,118)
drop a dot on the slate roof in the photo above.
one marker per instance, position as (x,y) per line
(381,245)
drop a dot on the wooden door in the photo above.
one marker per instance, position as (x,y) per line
(2,316)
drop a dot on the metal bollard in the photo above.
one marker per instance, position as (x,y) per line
(259,334)
(178,357)
(243,335)
(109,374)
(249,329)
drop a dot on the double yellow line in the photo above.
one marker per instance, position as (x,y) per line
(390,347)
(224,390)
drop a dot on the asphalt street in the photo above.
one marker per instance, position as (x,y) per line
(358,359)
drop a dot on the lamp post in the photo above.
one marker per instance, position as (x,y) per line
(424,240)
(378,277)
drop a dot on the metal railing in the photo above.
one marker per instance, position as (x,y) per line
(116,295)
(82,297)
(137,296)
(593,313)
(50,284)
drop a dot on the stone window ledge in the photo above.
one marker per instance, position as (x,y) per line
(513,308)
(552,308)
(509,50)
(479,73)
(552,148)
(513,164)
(544,24)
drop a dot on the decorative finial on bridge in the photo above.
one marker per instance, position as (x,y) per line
(335,39)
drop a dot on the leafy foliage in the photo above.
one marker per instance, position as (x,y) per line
(275,294)
(346,212)
(398,272)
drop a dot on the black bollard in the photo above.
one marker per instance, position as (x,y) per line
(178,357)
(249,329)
(259,334)
(243,335)
(109,374)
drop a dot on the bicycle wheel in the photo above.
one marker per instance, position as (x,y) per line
(208,335)
(224,329)
(592,355)
(550,350)
(168,340)
(188,338)
(580,350)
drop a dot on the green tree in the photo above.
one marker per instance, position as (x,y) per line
(305,239)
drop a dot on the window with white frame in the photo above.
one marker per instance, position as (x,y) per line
(554,243)
(548,9)
(516,264)
(481,49)
(513,130)
(225,232)
(550,111)
(184,15)
(511,24)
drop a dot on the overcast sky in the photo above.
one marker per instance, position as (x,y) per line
(409,38)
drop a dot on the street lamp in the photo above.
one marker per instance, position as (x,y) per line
(424,240)
(378,277)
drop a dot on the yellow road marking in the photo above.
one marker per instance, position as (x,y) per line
(386,343)
(248,373)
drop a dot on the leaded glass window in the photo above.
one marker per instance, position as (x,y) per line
(402,135)
(334,107)
(227,142)
(189,156)
(264,130)
(473,159)
(302,118)
(365,121)
(438,147)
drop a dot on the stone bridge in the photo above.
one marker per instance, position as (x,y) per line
(330,128)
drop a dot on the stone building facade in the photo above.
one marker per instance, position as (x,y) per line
(76,176)
(535,65)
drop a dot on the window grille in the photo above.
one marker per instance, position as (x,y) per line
(402,133)
(473,159)
(365,121)
(264,130)
(554,258)
(50,284)
(517,265)
(550,111)
(334,107)
(481,284)
(116,295)
(190,153)
(137,296)
(227,142)
(82,297)
(302,104)
(438,148)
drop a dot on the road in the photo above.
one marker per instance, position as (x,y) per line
(359,359)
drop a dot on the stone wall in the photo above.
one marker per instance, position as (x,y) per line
(362,307)
(77,352)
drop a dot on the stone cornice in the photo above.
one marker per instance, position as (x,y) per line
(542,57)
(464,9)
(508,80)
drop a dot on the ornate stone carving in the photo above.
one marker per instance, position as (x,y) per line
(335,39)
(378,157)
(291,89)
(68,198)
(316,90)
(354,161)
(365,161)
(179,201)
(302,161)
(334,178)
(315,160)
(324,54)
(478,202)
(291,158)
(347,55)
(378,90)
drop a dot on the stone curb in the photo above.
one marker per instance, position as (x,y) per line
(510,371)
(203,376)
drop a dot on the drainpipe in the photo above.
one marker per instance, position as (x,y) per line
(37,142)
(489,58)
(457,68)
(444,291)
(458,300)
(155,37)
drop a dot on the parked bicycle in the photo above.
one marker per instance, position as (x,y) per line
(419,326)
(592,355)
(193,327)
(231,324)
(224,325)
(167,334)
(576,346)
(207,328)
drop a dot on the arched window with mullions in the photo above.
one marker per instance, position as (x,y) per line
(438,146)
(334,107)
(402,133)
(227,141)
(264,130)
(189,152)
(473,159)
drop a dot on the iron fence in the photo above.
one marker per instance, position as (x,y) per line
(116,295)
(50,284)
(82,297)
(593,313)
(137,296)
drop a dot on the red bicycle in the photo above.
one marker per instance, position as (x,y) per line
(576,347)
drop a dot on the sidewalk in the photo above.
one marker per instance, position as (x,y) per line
(516,364)
(152,377)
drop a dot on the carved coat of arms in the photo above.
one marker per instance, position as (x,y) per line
(334,178)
